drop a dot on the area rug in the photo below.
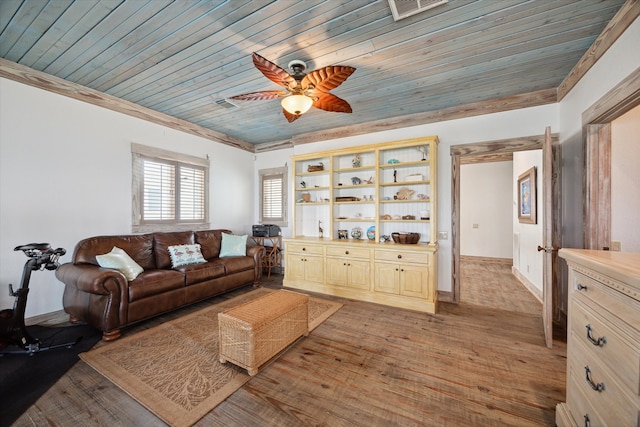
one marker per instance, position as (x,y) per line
(173,369)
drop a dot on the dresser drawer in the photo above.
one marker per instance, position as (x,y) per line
(589,324)
(348,252)
(402,256)
(304,248)
(615,402)
(582,413)
(620,305)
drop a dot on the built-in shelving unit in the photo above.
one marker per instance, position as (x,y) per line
(346,200)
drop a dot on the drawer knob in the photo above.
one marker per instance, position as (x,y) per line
(597,387)
(581,287)
(304,249)
(399,256)
(346,252)
(597,342)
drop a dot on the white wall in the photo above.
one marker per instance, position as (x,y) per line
(65,174)
(625,180)
(509,124)
(486,200)
(528,261)
(615,65)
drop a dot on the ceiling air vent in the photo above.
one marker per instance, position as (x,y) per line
(404,8)
(225,103)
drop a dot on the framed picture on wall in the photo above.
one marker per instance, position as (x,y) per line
(527,197)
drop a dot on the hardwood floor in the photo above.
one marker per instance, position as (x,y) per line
(367,365)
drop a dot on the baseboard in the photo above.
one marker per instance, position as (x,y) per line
(55,317)
(445,296)
(537,293)
(471,258)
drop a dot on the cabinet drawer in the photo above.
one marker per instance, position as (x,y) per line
(348,252)
(304,248)
(402,256)
(617,349)
(617,405)
(626,309)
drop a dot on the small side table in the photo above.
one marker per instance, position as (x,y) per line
(273,256)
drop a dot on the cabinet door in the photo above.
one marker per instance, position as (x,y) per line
(387,278)
(314,269)
(337,271)
(295,267)
(359,275)
(414,281)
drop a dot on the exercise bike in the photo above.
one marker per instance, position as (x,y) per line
(13,331)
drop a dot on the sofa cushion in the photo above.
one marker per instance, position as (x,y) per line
(153,282)
(233,245)
(185,255)
(119,260)
(196,273)
(161,244)
(138,247)
(210,241)
(237,264)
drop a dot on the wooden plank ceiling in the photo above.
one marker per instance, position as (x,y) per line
(180,57)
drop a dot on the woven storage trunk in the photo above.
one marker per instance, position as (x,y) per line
(254,332)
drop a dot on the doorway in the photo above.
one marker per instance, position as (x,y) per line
(478,152)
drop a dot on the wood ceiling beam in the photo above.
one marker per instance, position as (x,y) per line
(618,25)
(515,102)
(31,77)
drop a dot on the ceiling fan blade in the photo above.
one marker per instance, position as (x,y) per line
(330,102)
(328,78)
(290,117)
(272,71)
(260,96)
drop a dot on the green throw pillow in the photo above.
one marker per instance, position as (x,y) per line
(119,260)
(233,245)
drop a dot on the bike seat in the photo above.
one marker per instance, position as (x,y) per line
(33,246)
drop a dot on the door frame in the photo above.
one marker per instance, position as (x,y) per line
(480,152)
(596,132)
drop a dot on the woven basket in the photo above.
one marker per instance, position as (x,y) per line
(409,238)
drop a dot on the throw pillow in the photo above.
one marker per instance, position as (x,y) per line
(119,260)
(233,245)
(185,255)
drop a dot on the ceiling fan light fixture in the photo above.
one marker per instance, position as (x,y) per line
(297,104)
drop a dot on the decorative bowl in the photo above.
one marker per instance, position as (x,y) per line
(408,238)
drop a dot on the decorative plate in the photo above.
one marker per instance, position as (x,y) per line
(371,233)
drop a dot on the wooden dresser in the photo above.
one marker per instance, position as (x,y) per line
(603,343)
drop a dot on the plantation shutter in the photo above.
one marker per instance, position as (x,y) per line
(158,193)
(272,198)
(192,195)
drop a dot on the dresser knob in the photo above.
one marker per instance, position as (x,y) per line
(581,287)
(346,252)
(399,256)
(597,342)
(597,387)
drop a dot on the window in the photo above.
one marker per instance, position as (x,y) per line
(273,196)
(170,191)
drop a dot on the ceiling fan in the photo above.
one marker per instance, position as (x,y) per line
(302,90)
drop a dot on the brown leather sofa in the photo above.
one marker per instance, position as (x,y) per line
(104,298)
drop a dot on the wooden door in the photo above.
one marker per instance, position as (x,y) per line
(550,197)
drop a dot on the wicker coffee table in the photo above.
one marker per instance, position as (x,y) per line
(254,332)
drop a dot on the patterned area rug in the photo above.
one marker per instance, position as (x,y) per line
(173,369)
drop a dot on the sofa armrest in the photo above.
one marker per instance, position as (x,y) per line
(257,252)
(92,279)
(96,295)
